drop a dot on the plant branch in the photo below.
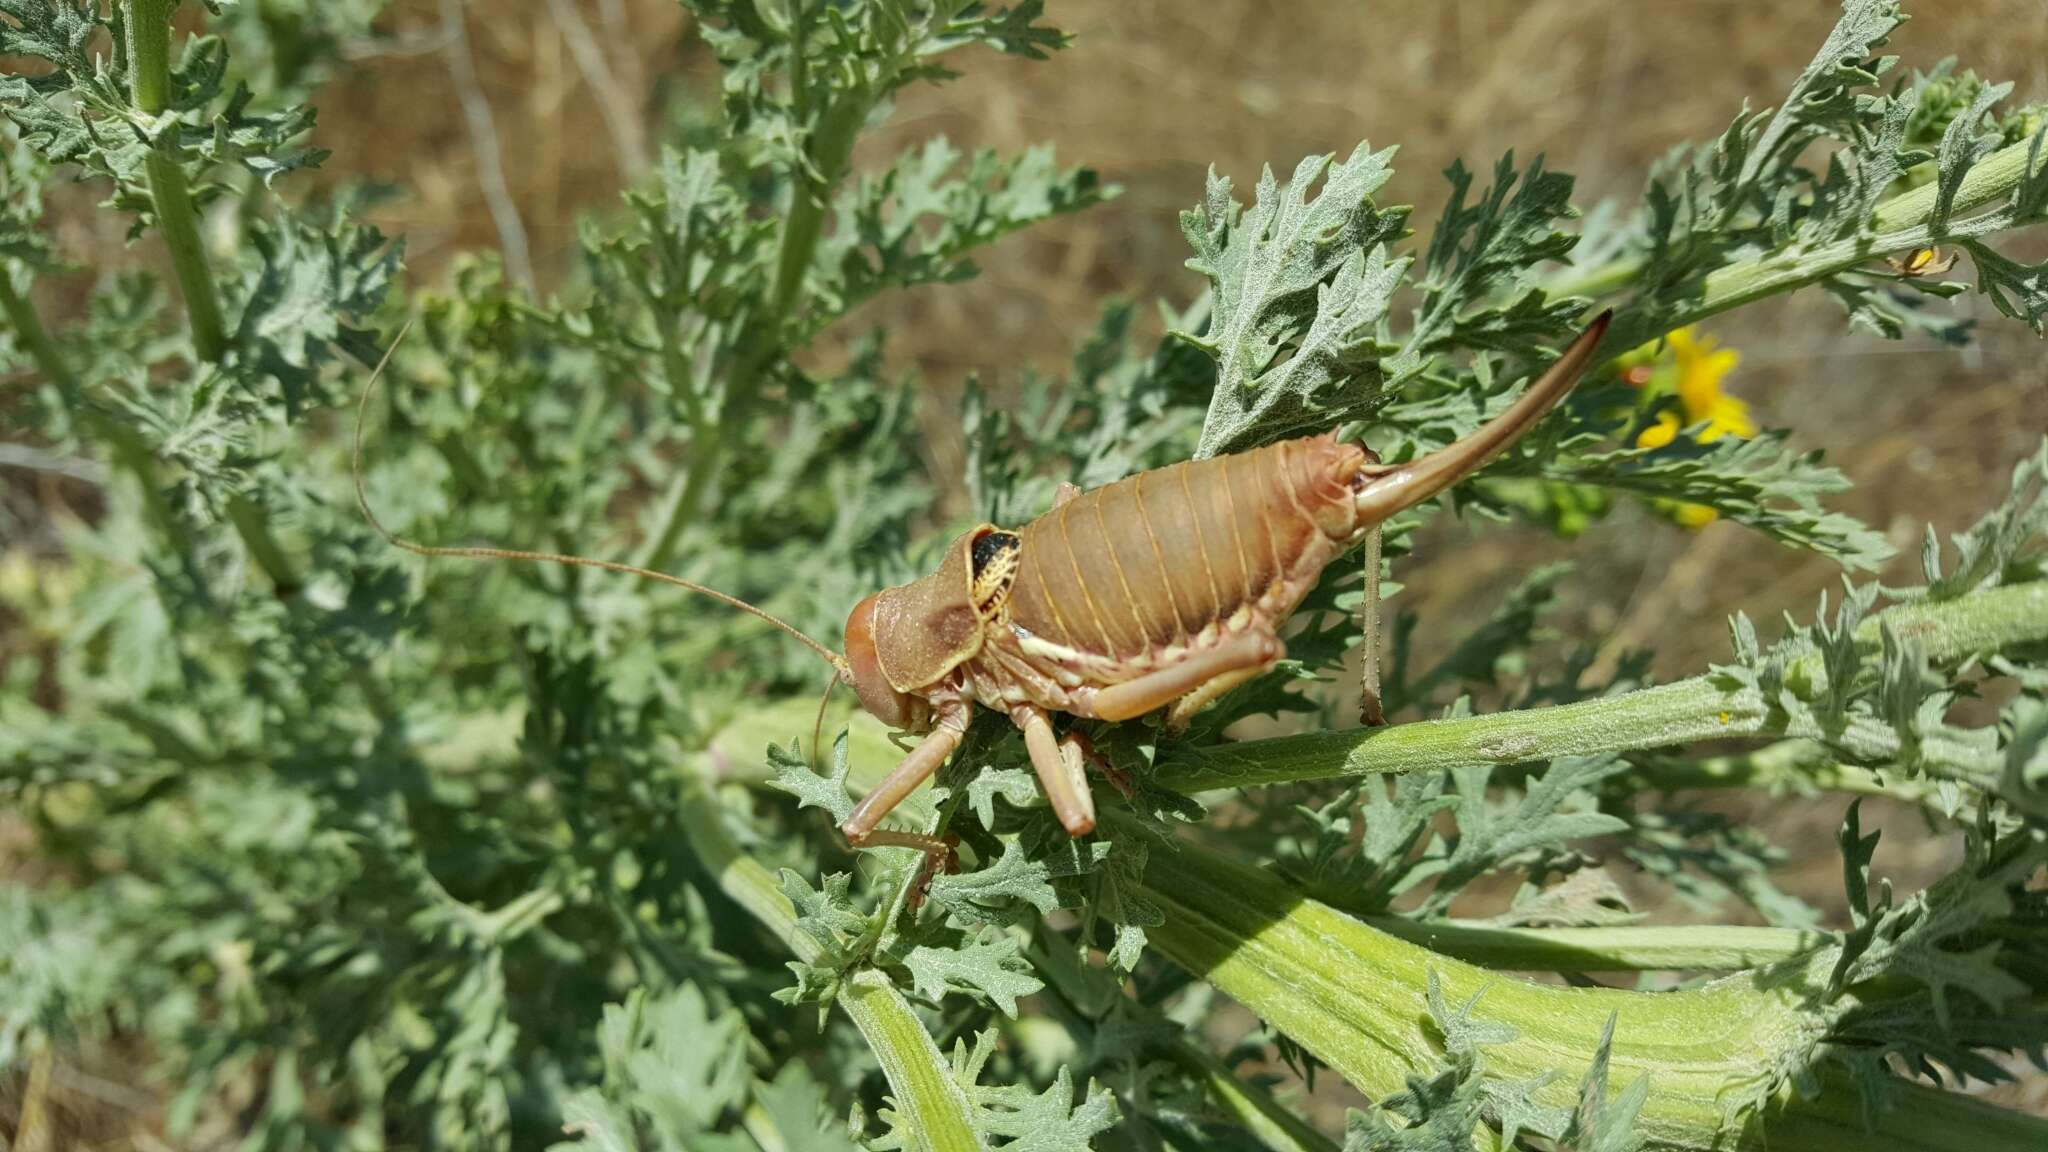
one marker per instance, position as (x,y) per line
(1714,1054)
(30,333)
(1787,765)
(483,142)
(177,218)
(1902,223)
(831,150)
(254,528)
(1631,948)
(1689,710)
(935,1112)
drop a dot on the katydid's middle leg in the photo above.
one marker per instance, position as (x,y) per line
(1066,786)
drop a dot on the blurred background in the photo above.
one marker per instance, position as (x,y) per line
(502,122)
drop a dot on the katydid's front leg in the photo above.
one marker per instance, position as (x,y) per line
(915,769)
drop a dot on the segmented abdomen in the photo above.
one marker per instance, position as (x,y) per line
(1151,560)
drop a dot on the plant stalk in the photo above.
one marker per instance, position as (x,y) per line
(936,1114)
(1714,1054)
(1631,948)
(1788,765)
(34,338)
(1678,713)
(254,528)
(149,51)
(1901,223)
(831,151)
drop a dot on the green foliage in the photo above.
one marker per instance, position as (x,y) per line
(389,853)
(1307,272)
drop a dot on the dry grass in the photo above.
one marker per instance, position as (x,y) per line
(1152,93)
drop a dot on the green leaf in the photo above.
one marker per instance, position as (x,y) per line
(1602,1123)
(797,1106)
(841,931)
(1014,876)
(1026,1121)
(1990,552)
(1481,251)
(315,276)
(918,221)
(597,1124)
(793,774)
(1543,821)
(1964,143)
(991,969)
(1755,482)
(2016,290)
(1299,284)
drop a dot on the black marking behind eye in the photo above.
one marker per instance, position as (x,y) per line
(993,546)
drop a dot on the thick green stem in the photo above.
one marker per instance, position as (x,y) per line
(31,335)
(831,151)
(254,529)
(1899,224)
(936,1113)
(1689,710)
(149,51)
(1716,1055)
(1647,948)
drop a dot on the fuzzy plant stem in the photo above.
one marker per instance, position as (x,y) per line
(1688,710)
(30,333)
(149,53)
(1903,223)
(1357,999)
(936,1114)
(830,152)
(1628,948)
(177,220)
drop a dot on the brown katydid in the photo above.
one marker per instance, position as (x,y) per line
(1160,591)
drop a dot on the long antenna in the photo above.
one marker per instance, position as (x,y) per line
(837,661)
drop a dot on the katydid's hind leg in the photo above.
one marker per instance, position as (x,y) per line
(1184,709)
(1248,652)
(1370,711)
(1066,786)
(940,856)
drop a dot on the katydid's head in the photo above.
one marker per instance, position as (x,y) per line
(903,640)
(899,710)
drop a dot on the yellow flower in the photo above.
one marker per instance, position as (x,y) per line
(1701,365)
